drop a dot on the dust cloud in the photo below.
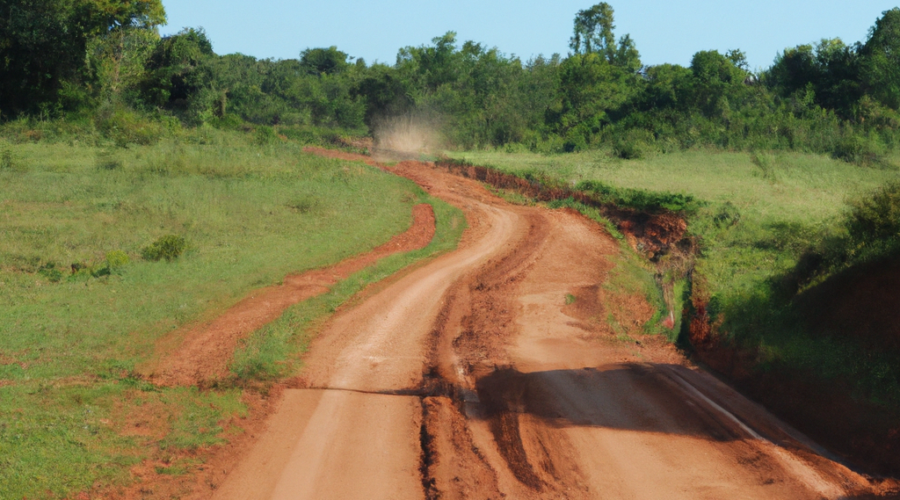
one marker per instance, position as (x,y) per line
(407,135)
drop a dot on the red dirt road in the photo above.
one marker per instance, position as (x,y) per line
(199,354)
(471,377)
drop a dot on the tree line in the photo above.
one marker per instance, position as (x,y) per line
(105,60)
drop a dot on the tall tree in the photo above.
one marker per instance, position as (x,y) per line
(881,59)
(43,43)
(594,34)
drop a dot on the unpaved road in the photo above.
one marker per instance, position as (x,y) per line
(474,376)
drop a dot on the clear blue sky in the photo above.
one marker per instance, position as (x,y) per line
(665,31)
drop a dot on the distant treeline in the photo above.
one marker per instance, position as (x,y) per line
(103,61)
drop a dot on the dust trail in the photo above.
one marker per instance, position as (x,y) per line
(410,134)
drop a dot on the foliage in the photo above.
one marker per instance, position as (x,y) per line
(79,346)
(43,44)
(825,97)
(641,199)
(168,247)
(769,226)
(876,218)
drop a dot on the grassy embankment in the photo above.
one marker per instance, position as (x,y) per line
(73,415)
(773,233)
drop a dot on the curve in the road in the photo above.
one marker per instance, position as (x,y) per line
(473,377)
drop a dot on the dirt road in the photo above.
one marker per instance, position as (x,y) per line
(510,369)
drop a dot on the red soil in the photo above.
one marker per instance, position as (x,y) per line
(206,350)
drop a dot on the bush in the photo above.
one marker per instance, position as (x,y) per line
(876,218)
(125,127)
(629,149)
(8,161)
(266,135)
(168,247)
(116,259)
(50,272)
(858,150)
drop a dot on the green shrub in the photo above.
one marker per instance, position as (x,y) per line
(50,272)
(168,247)
(9,161)
(126,127)
(117,259)
(629,149)
(858,150)
(265,135)
(876,217)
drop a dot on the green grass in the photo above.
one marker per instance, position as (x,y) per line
(70,342)
(272,351)
(758,214)
(808,193)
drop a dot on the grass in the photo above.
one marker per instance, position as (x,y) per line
(71,333)
(809,194)
(757,215)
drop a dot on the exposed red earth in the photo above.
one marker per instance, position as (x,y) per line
(474,376)
(471,377)
(202,353)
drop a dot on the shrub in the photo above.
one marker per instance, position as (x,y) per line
(8,161)
(877,217)
(116,259)
(629,149)
(50,272)
(858,150)
(639,199)
(266,135)
(125,127)
(168,247)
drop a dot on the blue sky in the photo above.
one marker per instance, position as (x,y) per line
(669,31)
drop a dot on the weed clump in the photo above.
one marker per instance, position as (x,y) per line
(8,161)
(50,272)
(168,247)
(107,160)
(116,259)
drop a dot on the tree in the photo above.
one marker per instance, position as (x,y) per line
(828,72)
(594,34)
(328,61)
(881,59)
(43,43)
(177,73)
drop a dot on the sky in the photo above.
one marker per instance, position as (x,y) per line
(665,31)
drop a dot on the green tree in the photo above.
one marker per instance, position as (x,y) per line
(827,72)
(881,60)
(320,61)
(43,43)
(594,33)
(175,70)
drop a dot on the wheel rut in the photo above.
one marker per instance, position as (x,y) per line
(474,377)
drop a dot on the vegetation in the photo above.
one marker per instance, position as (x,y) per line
(112,74)
(84,301)
(770,227)
(147,182)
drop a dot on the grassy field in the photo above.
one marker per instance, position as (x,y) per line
(80,307)
(758,214)
(783,200)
